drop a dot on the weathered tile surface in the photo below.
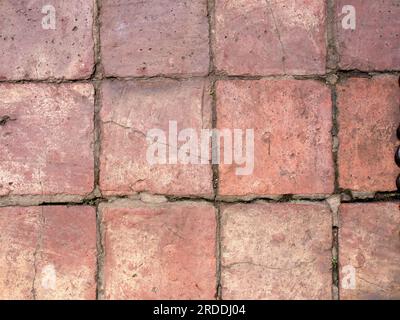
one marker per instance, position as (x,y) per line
(30,50)
(164,251)
(152,37)
(276,251)
(369,248)
(47,252)
(46,138)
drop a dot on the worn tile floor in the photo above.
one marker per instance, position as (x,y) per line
(306,208)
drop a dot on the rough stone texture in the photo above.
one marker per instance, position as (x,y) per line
(375,42)
(152,37)
(46,139)
(369,241)
(292,122)
(27,51)
(47,252)
(161,251)
(19,234)
(152,244)
(276,251)
(129,111)
(368,118)
(263,37)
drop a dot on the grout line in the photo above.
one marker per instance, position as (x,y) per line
(27,201)
(218,294)
(335,263)
(215,167)
(97,75)
(332,63)
(97,138)
(211,24)
(332,56)
(334,203)
(100,255)
(98,70)
(215,180)
(335,137)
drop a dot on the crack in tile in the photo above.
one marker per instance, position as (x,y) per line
(269,7)
(39,244)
